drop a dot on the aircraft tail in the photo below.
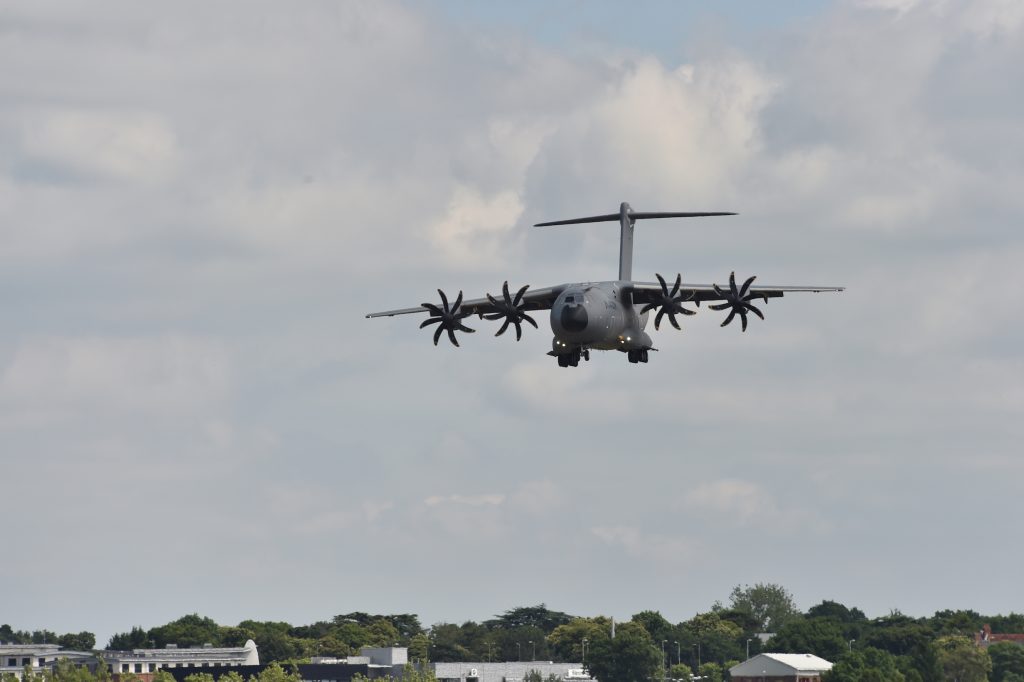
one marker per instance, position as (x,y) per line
(627,217)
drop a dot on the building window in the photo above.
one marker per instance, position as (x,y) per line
(12,663)
(124,667)
(138,667)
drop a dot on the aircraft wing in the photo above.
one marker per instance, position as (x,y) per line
(533,299)
(670,298)
(651,292)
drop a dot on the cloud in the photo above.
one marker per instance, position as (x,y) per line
(677,551)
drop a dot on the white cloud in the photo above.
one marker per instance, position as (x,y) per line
(654,547)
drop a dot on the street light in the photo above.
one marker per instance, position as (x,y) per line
(748,647)
(519,650)
(678,656)
(584,650)
(534,651)
(851,645)
(663,662)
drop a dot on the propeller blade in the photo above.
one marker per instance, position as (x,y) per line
(746,286)
(444,300)
(437,334)
(743,318)
(504,326)
(753,308)
(519,331)
(732,314)
(672,319)
(429,321)
(451,337)
(519,295)
(679,283)
(657,318)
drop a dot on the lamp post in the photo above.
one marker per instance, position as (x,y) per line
(584,647)
(851,645)
(748,647)
(679,658)
(664,665)
(534,651)
(519,650)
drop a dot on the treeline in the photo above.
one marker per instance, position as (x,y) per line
(77,641)
(893,648)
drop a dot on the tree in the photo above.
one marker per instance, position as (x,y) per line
(539,616)
(163,675)
(711,672)
(819,636)
(865,665)
(836,611)
(199,677)
(566,641)
(630,657)
(273,673)
(82,641)
(126,641)
(657,627)
(1007,659)
(680,672)
(770,605)
(962,660)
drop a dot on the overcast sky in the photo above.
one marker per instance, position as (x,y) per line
(200,201)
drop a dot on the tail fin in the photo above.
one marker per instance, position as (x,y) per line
(626,217)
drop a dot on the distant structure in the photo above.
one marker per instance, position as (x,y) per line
(510,671)
(780,668)
(984,637)
(372,663)
(14,658)
(143,663)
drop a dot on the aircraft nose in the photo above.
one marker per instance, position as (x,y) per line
(574,319)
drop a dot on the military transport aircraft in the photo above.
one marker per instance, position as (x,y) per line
(611,315)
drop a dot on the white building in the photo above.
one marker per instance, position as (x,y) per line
(39,657)
(145,662)
(780,668)
(508,671)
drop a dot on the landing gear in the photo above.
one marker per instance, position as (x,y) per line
(572,358)
(639,355)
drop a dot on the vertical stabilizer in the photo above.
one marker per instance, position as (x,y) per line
(625,242)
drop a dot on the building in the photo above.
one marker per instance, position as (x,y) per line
(14,658)
(509,671)
(780,668)
(985,637)
(144,662)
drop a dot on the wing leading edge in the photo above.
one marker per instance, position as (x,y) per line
(533,299)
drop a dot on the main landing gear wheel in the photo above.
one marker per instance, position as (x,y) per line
(636,356)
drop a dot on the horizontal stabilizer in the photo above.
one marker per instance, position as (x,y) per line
(632,215)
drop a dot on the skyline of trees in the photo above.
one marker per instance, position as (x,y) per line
(892,647)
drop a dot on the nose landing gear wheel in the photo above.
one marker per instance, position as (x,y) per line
(572,358)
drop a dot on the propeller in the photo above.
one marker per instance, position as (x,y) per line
(511,309)
(447,319)
(670,303)
(738,299)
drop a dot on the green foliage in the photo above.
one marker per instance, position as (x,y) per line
(540,617)
(630,657)
(865,665)
(680,672)
(1007,660)
(836,611)
(770,606)
(710,672)
(274,673)
(164,676)
(199,677)
(566,641)
(962,660)
(137,638)
(819,636)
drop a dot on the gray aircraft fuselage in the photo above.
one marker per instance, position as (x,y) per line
(598,315)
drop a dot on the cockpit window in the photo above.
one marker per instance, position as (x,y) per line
(570,299)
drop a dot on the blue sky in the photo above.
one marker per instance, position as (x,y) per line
(199,205)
